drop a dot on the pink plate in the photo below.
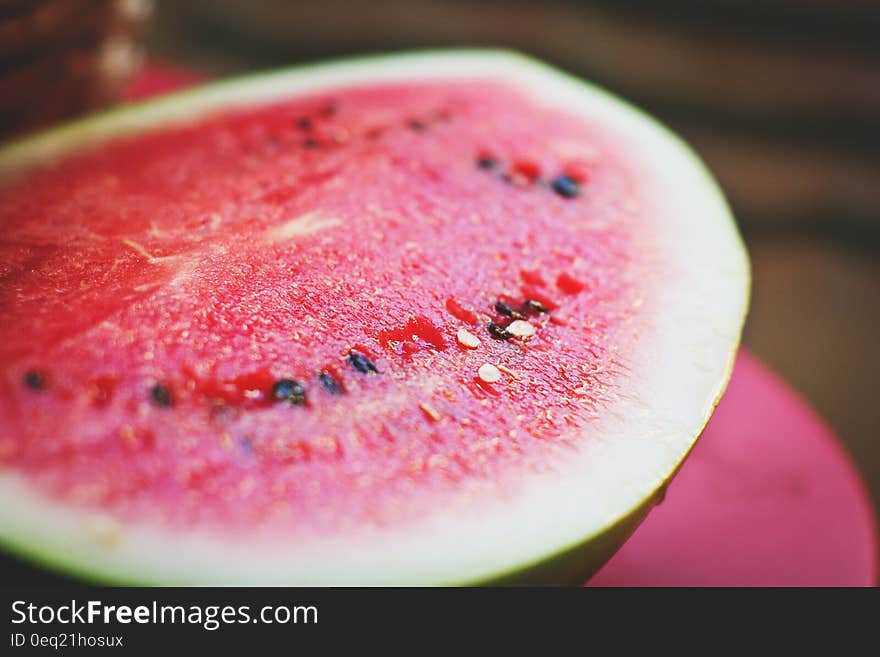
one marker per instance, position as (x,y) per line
(767,498)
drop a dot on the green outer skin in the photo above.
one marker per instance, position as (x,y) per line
(570,565)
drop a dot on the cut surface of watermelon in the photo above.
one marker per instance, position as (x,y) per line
(435,318)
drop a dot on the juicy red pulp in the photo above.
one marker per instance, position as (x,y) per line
(161,286)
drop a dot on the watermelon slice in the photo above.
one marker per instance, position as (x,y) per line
(439,318)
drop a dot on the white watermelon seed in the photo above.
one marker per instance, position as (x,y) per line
(430,411)
(510,373)
(489,373)
(521,329)
(467,339)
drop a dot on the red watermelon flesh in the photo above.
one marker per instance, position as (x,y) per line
(216,258)
(249,322)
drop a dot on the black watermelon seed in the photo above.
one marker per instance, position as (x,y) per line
(566,186)
(534,306)
(487,163)
(161,395)
(311,143)
(498,332)
(290,391)
(418,126)
(503,309)
(34,380)
(328,110)
(361,363)
(329,383)
(304,123)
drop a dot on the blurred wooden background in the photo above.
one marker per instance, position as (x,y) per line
(64,57)
(781,97)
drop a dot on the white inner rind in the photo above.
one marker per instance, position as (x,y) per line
(686,341)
